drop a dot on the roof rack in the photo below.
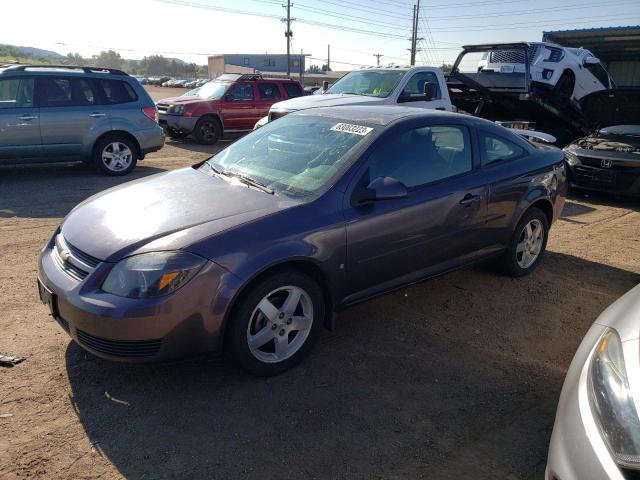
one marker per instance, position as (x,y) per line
(112,71)
(250,76)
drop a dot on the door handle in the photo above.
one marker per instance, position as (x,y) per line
(441,109)
(469,199)
(28,117)
(97,115)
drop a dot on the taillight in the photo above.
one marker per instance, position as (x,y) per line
(151,112)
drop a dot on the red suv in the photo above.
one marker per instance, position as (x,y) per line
(230,103)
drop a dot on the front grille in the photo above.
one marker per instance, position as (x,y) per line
(597,162)
(512,56)
(162,107)
(277,114)
(118,348)
(71,260)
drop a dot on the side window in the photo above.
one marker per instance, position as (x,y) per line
(415,85)
(117,91)
(424,155)
(16,93)
(293,90)
(269,91)
(65,92)
(242,92)
(497,149)
(598,71)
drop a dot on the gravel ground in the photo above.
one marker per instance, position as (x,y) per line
(455,378)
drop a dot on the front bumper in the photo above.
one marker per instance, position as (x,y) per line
(184,323)
(577,450)
(177,123)
(619,181)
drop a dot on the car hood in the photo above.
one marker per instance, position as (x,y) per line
(624,315)
(611,107)
(161,211)
(324,100)
(181,100)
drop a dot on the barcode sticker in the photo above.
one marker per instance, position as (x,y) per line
(350,128)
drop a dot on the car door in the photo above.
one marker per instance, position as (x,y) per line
(70,113)
(509,176)
(19,120)
(239,107)
(436,227)
(413,90)
(268,94)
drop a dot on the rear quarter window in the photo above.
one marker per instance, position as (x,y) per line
(116,91)
(293,90)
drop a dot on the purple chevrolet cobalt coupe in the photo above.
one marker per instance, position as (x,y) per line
(253,250)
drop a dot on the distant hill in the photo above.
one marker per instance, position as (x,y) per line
(36,52)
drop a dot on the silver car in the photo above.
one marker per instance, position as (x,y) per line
(52,113)
(597,429)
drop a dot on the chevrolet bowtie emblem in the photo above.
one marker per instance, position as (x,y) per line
(64,255)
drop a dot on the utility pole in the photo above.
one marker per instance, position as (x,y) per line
(288,34)
(301,66)
(377,55)
(328,58)
(414,30)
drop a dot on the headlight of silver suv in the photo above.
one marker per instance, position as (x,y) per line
(612,402)
(176,109)
(152,274)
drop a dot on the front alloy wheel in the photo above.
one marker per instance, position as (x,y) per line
(275,322)
(530,243)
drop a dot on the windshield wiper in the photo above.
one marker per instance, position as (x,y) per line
(248,181)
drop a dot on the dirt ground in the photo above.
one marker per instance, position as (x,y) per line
(455,378)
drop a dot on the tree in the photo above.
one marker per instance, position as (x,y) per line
(74,59)
(108,59)
(313,69)
(154,65)
(325,68)
(446,68)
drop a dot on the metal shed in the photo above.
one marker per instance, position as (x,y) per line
(618,48)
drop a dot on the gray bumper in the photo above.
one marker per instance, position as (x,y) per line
(177,122)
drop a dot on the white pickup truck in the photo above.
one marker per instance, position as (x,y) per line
(417,86)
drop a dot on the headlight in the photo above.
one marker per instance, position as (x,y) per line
(152,274)
(612,403)
(571,158)
(176,109)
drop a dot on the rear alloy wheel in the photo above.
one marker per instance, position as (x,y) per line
(116,155)
(527,245)
(207,131)
(276,323)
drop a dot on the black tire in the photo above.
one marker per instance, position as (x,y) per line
(102,147)
(237,332)
(509,262)
(207,130)
(563,90)
(176,134)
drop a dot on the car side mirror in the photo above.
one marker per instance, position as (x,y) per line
(381,188)
(430,91)
(590,61)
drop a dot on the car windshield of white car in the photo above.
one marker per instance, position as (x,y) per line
(370,83)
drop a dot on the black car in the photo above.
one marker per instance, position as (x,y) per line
(608,159)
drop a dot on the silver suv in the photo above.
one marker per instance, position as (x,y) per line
(61,113)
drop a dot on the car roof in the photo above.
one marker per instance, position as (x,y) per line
(382,115)
(22,69)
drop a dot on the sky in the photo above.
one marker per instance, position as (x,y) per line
(355,29)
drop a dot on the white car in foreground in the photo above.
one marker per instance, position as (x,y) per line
(572,73)
(597,429)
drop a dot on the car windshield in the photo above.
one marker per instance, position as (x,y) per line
(213,90)
(298,155)
(374,83)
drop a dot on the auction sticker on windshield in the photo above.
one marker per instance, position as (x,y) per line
(350,128)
